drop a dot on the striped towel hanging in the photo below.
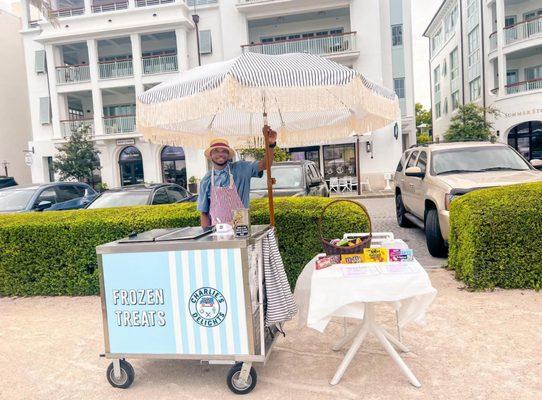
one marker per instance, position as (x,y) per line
(281,306)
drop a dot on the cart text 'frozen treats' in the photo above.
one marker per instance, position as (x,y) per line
(139,297)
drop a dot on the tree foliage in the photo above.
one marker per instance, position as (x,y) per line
(423,116)
(423,138)
(471,123)
(78,158)
(259,153)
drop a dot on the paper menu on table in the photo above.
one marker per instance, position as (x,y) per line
(396,268)
(350,270)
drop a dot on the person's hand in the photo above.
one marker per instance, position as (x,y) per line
(272,136)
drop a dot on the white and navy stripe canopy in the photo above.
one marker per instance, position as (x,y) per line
(310,99)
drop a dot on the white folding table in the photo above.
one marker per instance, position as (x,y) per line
(352,291)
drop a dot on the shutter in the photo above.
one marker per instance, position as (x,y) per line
(45,110)
(40,61)
(205,42)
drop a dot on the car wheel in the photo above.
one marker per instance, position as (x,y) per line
(435,243)
(400,211)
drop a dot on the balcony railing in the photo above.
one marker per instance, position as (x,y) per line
(523,30)
(72,74)
(120,124)
(329,44)
(159,64)
(191,3)
(525,86)
(493,41)
(115,69)
(67,126)
(67,12)
(118,5)
(147,3)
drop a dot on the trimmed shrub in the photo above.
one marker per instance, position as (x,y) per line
(53,253)
(496,237)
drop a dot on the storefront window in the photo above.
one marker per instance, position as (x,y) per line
(131,166)
(339,160)
(174,165)
(306,153)
(526,138)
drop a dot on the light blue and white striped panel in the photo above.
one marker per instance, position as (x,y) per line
(221,270)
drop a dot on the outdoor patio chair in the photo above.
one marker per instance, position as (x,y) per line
(365,182)
(344,184)
(334,184)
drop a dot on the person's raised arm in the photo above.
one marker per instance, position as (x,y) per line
(272,143)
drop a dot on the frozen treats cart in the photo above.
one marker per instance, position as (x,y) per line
(185,294)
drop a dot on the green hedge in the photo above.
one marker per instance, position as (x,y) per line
(53,253)
(496,237)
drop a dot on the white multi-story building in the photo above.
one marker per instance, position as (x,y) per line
(102,54)
(490,52)
(14,112)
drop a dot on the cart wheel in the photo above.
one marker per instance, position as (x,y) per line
(234,383)
(126,378)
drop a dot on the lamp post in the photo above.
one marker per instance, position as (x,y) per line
(195,18)
(358,172)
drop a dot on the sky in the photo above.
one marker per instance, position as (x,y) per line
(422,13)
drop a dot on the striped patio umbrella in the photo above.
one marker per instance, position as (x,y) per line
(308,99)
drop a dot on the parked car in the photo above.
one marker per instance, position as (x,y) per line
(140,195)
(48,196)
(293,178)
(428,178)
(6,181)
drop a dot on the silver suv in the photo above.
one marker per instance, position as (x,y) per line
(429,177)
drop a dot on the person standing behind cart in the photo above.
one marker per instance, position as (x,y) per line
(227,186)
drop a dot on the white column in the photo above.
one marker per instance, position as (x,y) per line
(25,14)
(88,7)
(51,53)
(136,61)
(131,4)
(500,44)
(182,49)
(97,105)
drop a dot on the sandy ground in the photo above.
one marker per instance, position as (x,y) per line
(475,346)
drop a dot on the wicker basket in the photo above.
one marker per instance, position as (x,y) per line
(332,249)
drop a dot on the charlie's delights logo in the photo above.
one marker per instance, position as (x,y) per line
(207,307)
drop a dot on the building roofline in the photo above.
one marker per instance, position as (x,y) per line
(434,18)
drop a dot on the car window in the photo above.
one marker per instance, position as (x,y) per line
(160,197)
(121,199)
(412,159)
(67,193)
(286,176)
(48,194)
(176,194)
(401,161)
(316,177)
(14,199)
(422,161)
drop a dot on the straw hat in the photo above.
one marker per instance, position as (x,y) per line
(219,144)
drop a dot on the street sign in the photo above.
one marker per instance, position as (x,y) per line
(125,142)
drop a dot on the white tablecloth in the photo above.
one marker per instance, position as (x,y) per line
(341,290)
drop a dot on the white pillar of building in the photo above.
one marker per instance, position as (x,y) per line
(88,7)
(97,105)
(500,45)
(135,39)
(182,49)
(25,14)
(52,56)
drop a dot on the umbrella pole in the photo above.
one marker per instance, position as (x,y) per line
(268,160)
